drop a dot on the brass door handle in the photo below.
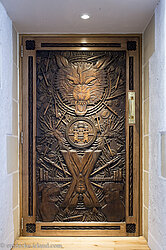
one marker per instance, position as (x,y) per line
(131,102)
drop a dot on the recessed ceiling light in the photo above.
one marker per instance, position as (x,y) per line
(85,16)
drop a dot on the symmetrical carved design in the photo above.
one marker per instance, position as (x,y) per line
(30,137)
(81,132)
(30,228)
(131,45)
(80,141)
(30,45)
(112,45)
(80,188)
(130,170)
(131,228)
(83,85)
(131,73)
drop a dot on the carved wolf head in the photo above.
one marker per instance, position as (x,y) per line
(81,83)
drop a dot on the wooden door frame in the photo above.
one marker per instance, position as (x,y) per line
(90,39)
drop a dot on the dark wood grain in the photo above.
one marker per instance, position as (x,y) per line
(80,134)
(79,109)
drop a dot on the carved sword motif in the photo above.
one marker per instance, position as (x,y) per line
(80,187)
(80,143)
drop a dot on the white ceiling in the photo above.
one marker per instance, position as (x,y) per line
(63,16)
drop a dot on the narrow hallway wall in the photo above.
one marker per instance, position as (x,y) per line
(9,184)
(148,50)
(157,124)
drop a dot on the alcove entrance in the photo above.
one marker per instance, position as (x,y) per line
(81,135)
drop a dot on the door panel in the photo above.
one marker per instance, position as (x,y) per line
(81,136)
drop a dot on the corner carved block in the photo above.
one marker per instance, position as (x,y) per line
(131,228)
(31,228)
(30,45)
(131,45)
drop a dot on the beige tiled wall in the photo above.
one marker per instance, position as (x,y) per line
(12,141)
(148,49)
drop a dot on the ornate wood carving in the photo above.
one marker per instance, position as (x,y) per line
(48,207)
(130,170)
(113,203)
(30,136)
(30,228)
(131,228)
(131,73)
(80,140)
(81,132)
(131,45)
(30,45)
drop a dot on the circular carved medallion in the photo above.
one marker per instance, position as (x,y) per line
(81,132)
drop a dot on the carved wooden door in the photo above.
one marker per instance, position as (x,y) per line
(81,136)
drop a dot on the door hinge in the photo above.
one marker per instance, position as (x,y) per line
(22,223)
(22,137)
(22,51)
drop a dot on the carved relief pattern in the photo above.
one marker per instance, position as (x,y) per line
(131,73)
(131,170)
(131,45)
(30,129)
(30,45)
(131,228)
(31,228)
(80,140)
